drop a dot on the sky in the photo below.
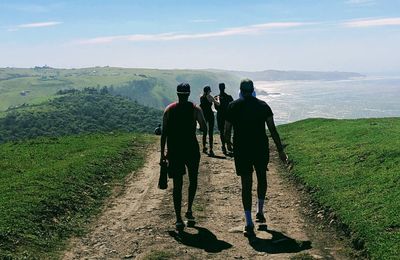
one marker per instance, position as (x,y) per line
(321,35)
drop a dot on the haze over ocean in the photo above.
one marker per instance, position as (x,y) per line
(361,98)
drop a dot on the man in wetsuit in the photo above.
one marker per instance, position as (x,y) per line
(224,99)
(206,102)
(179,133)
(248,116)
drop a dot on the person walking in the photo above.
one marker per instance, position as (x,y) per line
(248,116)
(206,102)
(179,133)
(223,99)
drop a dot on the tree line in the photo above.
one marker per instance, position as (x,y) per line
(78,111)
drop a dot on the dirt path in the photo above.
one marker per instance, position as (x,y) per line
(139,222)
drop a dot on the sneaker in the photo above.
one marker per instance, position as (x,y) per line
(249,231)
(179,225)
(211,153)
(260,218)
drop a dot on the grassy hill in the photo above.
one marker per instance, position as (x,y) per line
(150,87)
(352,168)
(78,112)
(50,187)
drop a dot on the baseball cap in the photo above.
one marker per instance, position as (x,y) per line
(183,88)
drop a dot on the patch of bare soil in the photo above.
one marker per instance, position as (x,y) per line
(139,222)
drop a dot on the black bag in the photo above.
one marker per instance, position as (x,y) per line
(163,179)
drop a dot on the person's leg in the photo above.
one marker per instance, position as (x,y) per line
(193,173)
(245,170)
(211,133)
(177,196)
(193,170)
(261,172)
(247,181)
(205,139)
(221,129)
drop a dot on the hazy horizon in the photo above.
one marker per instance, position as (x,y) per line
(343,35)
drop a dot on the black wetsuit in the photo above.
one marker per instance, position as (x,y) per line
(209,117)
(183,148)
(224,100)
(250,142)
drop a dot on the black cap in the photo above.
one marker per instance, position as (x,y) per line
(206,88)
(183,88)
(247,86)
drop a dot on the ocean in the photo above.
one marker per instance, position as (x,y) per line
(345,99)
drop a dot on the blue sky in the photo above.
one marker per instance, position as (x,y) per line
(346,35)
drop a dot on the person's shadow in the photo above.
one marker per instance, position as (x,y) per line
(279,243)
(204,239)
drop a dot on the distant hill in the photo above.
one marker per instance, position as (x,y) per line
(85,111)
(277,75)
(150,87)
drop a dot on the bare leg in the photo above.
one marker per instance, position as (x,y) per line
(177,196)
(247,182)
(192,190)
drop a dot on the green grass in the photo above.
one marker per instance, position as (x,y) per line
(352,167)
(50,187)
(150,87)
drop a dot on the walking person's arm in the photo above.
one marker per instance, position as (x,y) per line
(164,136)
(212,100)
(276,138)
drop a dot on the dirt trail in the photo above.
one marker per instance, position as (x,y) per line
(139,222)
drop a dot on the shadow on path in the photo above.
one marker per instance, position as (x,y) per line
(204,239)
(279,243)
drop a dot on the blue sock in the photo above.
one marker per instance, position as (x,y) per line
(260,205)
(249,221)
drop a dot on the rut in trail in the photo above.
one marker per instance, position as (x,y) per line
(139,222)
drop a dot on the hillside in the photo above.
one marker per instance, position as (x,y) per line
(84,111)
(51,187)
(150,87)
(352,169)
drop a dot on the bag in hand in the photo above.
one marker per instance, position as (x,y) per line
(163,180)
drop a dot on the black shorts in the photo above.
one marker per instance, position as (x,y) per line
(245,165)
(177,166)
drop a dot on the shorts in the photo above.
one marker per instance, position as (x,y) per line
(177,166)
(245,165)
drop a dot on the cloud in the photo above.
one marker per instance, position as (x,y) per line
(33,25)
(361,2)
(372,22)
(36,25)
(251,29)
